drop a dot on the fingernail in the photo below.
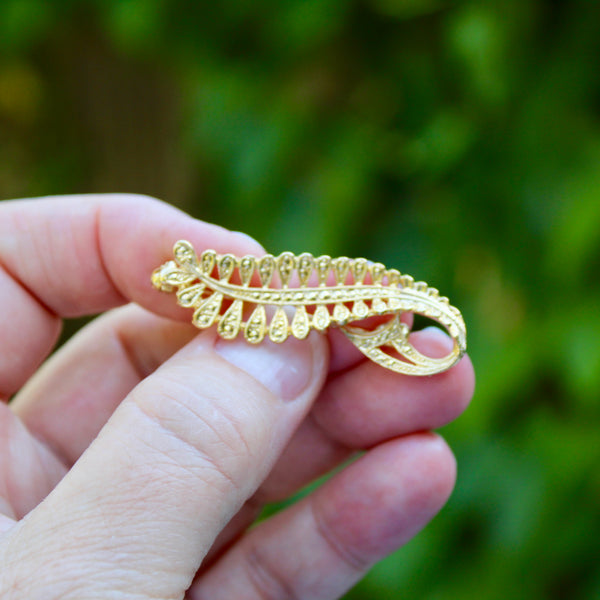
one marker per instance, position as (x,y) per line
(438,341)
(249,241)
(284,369)
(244,236)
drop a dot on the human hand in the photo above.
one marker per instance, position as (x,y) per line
(134,460)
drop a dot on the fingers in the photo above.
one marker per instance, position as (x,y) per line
(321,546)
(85,254)
(310,454)
(78,255)
(68,401)
(6,523)
(366,405)
(28,470)
(174,463)
(402,408)
(22,339)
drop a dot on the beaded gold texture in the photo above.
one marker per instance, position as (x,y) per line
(235,293)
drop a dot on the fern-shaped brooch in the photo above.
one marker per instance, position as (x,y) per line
(235,293)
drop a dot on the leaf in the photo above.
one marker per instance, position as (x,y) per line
(393,277)
(379,305)
(256,326)
(377,272)
(306,264)
(207,312)
(359,269)
(177,277)
(341,314)
(279,329)
(341,266)
(226,266)
(285,264)
(266,266)
(360,309)
(247,266)
(321,318)
(323,268)
(229,325)
(207,261)
(185,254)
(300,323)
(189,296)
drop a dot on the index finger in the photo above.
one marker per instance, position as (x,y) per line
(68,256)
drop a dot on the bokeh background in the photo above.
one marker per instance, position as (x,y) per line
(458,141)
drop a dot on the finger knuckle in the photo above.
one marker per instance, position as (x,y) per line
(267,582)
(195,430)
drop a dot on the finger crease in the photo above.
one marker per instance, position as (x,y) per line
(313,419)
(266,581)
(97,233)
(131,356)
(333,542)
(204,456)
(28,290)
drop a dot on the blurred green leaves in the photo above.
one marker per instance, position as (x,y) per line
(458,141)
(135,25)
(22,23)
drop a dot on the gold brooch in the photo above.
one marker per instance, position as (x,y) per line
(233,292)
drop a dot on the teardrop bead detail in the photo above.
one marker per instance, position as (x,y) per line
(306,264)
(279,328)
(207,261)
(266,266)
(255,329)
(359,270)
(300,323)
(185,254)
(207,312)
(190,296)
(341,314)
(229,325)
(226,266)
(379,306)
(321,318)
(285,265)
(360,309)
(247,266)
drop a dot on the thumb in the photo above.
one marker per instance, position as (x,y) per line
(140,509)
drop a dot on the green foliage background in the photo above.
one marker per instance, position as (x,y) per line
(457,141)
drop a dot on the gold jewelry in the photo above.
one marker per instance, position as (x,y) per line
(336,292)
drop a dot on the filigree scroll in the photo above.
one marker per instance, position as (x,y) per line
(276,297)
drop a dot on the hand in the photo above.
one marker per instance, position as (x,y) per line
(134,460)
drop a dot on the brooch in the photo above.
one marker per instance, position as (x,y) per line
(323,292)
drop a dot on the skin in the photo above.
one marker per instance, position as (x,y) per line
(134,459)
